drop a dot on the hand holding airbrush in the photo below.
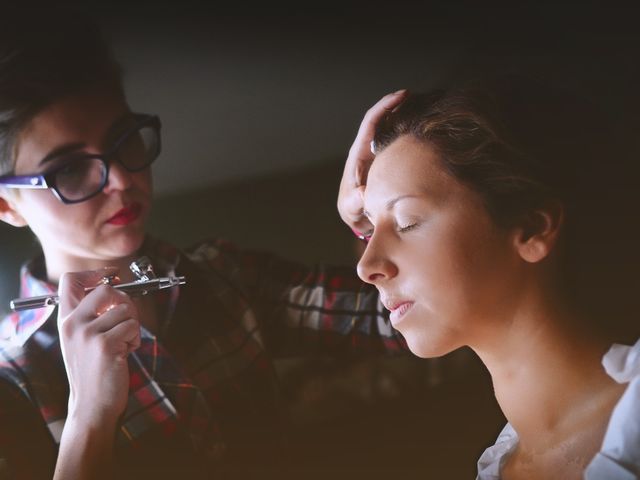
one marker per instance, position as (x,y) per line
(147,282)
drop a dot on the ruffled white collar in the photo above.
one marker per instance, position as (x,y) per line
(619,457)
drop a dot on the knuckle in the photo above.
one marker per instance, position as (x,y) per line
(101,291)
(103,346)
(86,334)
(133,324)
(119,294)
(66,326)
(128,309)
(370,113)
(66,277)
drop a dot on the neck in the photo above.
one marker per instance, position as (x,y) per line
(56,267)
(547,373)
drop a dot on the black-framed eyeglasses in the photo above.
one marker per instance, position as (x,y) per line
(83,175)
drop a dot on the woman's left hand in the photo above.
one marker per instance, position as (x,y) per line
(356,168)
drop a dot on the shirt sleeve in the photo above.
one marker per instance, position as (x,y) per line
(307,310)
(26,448)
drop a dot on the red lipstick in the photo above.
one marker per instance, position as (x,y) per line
(126,215)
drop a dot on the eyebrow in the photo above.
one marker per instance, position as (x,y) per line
(61,150)
(391,203)
(72,147)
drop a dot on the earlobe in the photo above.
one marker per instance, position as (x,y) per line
(9,214)
(538,233)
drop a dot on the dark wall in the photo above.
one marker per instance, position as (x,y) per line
(252,88)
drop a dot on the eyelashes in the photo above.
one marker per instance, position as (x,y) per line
(366,236)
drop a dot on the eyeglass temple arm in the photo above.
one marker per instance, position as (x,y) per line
(24,181)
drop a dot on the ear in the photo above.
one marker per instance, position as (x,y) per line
(538,232)
(8,211)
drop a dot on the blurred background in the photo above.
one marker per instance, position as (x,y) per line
(259,105)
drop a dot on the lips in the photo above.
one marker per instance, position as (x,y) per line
(126,215)
(397,308)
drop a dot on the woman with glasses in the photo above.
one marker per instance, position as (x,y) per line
(107,385)
(74,177)
(500,215)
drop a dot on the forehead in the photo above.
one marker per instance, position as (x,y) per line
(83,118)
(409,166)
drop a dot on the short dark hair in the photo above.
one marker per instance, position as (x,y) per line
(521,143)
(46,54)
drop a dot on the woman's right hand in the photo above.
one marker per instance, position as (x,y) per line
(97,332)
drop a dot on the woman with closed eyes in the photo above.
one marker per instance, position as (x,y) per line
(499,216)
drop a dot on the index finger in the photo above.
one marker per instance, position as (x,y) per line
(71,288)
(367,128)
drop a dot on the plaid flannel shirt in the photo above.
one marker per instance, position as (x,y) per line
(205,387)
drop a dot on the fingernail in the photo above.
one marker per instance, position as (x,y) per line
(400,91)
(360,235)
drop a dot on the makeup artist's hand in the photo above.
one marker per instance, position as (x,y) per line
(354,177)
(97,332)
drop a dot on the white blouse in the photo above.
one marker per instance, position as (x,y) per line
(619,457)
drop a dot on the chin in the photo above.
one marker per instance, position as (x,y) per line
(430,346)
(127,244)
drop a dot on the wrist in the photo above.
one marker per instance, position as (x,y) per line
(92,417)
(86,449)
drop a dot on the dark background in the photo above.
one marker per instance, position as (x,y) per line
(259,104)
(261,97)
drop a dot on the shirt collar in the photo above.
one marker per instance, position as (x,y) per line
(622,362)
(20,326)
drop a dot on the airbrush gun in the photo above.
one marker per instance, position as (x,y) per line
(146,282)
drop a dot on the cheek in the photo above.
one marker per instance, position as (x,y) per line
(46,215)
(39,206)
(454,265)
(483,266)
(144,181)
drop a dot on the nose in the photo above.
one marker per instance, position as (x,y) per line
(375,266)
(119,178)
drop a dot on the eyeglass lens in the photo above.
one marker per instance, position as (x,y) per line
(84,177)
(81,178)
(138,149)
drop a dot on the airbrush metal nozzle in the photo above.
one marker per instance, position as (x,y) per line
(142,268)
